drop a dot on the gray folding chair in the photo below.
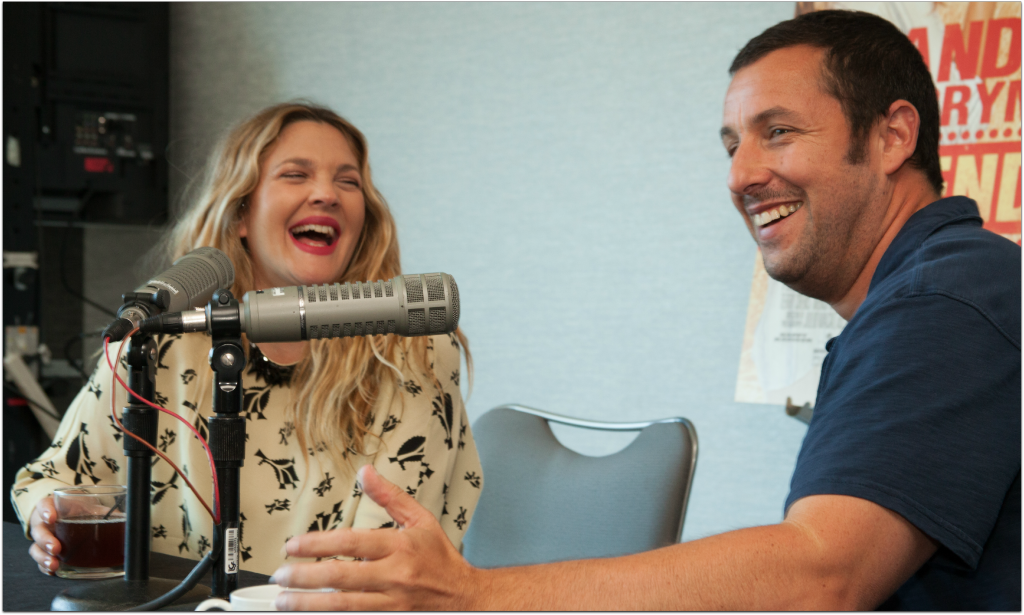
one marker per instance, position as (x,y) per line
(542,502)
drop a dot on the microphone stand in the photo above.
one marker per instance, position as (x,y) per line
(136,587)
(227,432)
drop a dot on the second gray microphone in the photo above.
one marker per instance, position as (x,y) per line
(407,305)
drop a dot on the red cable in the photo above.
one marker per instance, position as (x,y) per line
(113,412)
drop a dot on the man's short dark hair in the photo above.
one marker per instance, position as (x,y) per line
(868,65)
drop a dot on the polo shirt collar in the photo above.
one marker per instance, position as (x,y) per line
(920,225)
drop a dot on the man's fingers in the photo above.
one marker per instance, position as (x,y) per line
(406,511)
(360,543)
(348,575)
(333,601)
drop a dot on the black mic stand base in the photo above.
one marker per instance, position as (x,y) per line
(120,595)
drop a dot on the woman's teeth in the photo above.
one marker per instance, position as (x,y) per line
(326,233)
(774,214)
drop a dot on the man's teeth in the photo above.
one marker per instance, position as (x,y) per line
(316,228)
(774,214)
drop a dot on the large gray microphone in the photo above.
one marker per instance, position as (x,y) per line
(407,305)
(189,283)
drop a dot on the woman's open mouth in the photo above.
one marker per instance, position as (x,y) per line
(318,235)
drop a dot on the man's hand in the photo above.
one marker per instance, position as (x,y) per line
(412,567)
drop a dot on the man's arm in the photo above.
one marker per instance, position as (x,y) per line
(830,553)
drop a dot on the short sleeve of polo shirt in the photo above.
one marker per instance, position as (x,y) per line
(918,411)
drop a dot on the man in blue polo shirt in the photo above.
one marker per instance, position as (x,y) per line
(906,492)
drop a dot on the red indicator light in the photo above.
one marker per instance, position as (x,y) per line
(98,165)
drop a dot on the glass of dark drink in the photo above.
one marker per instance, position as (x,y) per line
(90,528)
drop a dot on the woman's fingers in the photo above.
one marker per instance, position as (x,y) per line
(42,536)
(337,574)
(359,543)
(46,562)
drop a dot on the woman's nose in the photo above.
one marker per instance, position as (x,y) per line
(324,194)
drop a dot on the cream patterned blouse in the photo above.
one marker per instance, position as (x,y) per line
(425,447)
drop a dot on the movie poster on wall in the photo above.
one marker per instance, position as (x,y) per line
(973,50)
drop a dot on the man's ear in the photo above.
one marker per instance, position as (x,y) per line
(901,126)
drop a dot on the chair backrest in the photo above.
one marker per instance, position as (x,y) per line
(542,502)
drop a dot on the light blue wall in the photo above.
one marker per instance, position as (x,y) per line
(562,162)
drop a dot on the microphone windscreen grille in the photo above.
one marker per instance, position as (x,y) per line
(414,289)
(417,321)
(392,326)
(437,320)
(455,301)
(311,294)
(357,292)
(347,329)
(378,292)
(335,330)
(344,292)
(389,290)
(323,293)
(435,288)
(334,292)
(358,329)
(367,290)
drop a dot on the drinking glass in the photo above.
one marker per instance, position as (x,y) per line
(90,528)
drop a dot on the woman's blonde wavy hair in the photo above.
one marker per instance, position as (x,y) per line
(338,382)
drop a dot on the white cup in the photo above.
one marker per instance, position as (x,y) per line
(256,598)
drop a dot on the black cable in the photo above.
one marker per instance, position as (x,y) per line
(78,364)
(64,278)
(185,586)
(15,392)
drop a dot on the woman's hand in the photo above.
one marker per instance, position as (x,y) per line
(45,545)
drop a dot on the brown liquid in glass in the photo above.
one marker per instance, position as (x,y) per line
(91,542)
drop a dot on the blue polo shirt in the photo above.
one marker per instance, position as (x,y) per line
(919,407)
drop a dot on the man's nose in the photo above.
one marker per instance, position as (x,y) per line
(749,170)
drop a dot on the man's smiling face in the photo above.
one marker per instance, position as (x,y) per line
(806,205)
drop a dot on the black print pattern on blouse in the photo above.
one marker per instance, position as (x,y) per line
(460,520)
(188,375)
(186,529)
(48,468)
(278,505)
(455,377)
(412,387)
(113,428)
(95,389)
(78,460)
(286,432)
(443,410)
(204,544)
(454,340)
(166,439)
(159,532)
(412,450)
(389,424)
(255,400)
(272,374)
(245,551)
(200,423)
(472,479)
(325,484)
(111,464)
(159,490)
(462,437)
(163,344)
(327,520)
(284,470)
